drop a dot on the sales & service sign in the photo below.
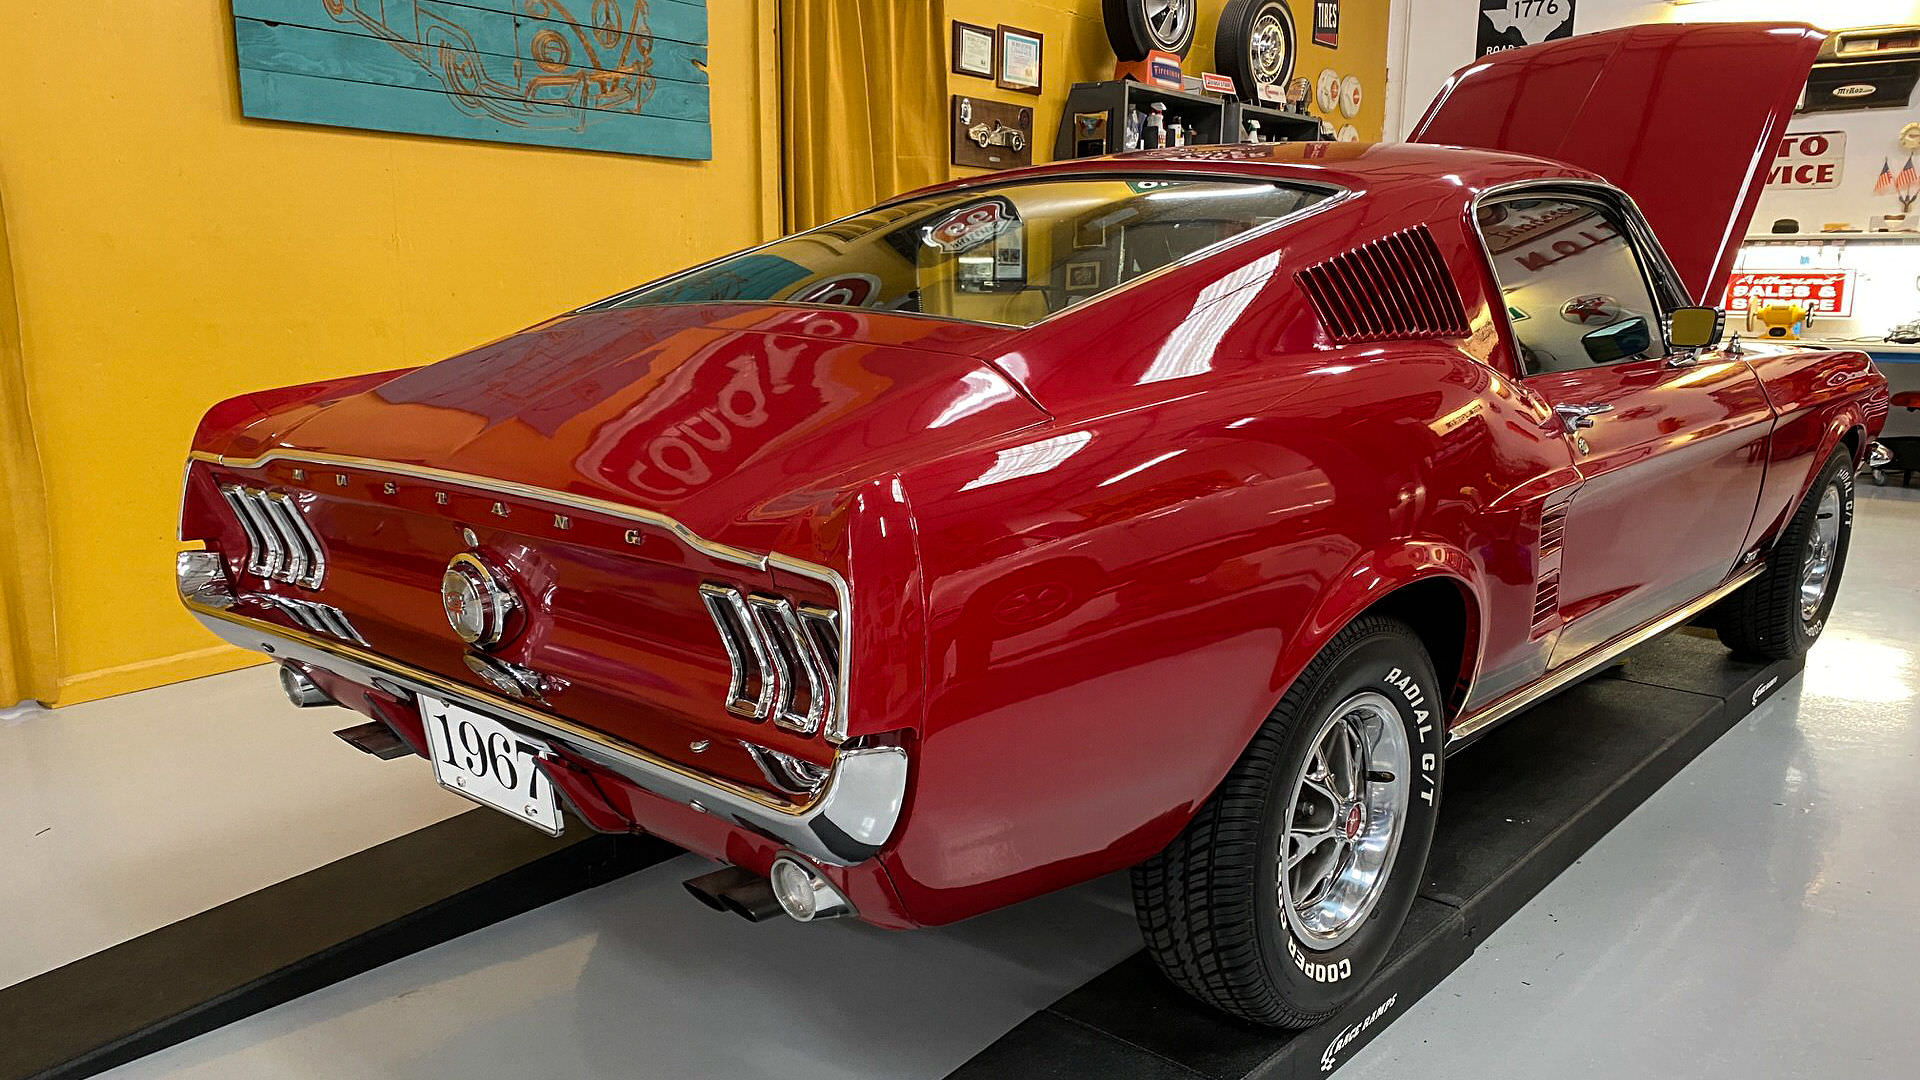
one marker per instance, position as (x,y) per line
(1822,292)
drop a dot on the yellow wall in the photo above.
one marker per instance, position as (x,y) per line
(168,253)
(1076,50)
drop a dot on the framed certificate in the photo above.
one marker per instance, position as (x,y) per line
(1019,53)
(972,50)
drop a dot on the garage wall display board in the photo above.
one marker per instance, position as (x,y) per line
(627,76)
(1509,24)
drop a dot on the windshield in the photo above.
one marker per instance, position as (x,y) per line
(1011,254)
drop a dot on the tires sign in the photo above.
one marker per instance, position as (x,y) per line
(1326,23)
(1808,159)
(1509,24)
(1822,292)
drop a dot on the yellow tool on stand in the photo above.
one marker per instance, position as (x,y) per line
(1784,320)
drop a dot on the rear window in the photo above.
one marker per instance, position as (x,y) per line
(1011,254)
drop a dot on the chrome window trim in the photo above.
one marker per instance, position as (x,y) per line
(850,820)
(1656,269)
(1335,195)
(770,562)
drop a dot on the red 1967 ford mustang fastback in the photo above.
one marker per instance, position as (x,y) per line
(1177,511)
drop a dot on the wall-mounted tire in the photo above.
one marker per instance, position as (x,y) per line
(1255,42)
(1232,911)
(1135,27)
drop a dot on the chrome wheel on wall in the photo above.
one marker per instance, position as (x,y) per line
(1136,27)
(1343,829)
(1780,614)
(1281,897)
(1254,44)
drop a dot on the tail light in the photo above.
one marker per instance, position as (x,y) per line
(280,544)
(784,659)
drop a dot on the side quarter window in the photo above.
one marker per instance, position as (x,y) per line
(1576,292)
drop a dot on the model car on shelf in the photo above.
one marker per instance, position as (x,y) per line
(1178,511)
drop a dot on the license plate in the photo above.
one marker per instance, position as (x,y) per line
(490,763)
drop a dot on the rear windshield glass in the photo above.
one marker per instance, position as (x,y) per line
(1011,254)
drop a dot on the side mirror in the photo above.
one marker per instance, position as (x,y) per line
(1628,337)
(1695,327)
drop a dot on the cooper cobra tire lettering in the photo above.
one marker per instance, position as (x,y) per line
(1318,972)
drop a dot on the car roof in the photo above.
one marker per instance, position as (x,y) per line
(1358,167)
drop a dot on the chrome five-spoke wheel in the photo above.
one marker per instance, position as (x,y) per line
(1269,51)
(1343,825)
(1823,546)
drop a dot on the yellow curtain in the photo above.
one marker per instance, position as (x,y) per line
(863,103)
(26,592)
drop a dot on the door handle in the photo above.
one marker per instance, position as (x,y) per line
(1574,417)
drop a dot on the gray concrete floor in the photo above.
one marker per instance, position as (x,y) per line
(1754,918)
(120,816)
(1757,917)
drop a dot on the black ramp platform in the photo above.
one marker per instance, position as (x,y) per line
(310,931)
(1519,807)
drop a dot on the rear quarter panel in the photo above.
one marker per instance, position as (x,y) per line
(1115,601)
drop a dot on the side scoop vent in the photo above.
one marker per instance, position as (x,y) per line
(1393,288)
(785,660)
(1546,595)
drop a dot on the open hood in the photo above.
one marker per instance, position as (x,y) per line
(1685,119)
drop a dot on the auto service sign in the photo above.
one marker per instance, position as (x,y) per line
(1808,159)
(1823,292)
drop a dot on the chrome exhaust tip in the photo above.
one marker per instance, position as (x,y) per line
(804,893)
(301,690)
(730,888)
(707,888)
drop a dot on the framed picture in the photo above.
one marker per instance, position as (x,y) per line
(1019,53)
(1082,276)
(972,50)
(1089,233)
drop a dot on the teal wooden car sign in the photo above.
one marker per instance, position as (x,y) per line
(627,76)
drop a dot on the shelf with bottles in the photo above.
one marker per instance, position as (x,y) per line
(1120,114)
(1260,123)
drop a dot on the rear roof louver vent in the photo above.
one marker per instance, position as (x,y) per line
(1395,287)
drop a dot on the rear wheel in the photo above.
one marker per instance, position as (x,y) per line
(1280,899)
(1779,615)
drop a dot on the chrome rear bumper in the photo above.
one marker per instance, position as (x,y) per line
(848,821)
